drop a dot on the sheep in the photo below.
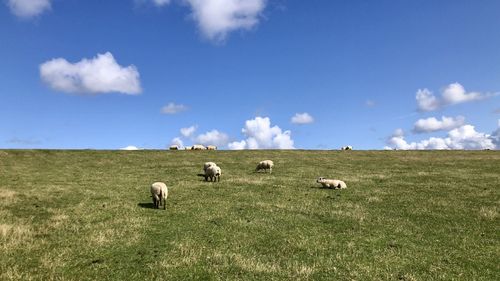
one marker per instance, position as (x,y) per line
(174,147)
(198,147)
(346,147)
(159,192)
(208,164)
(213,172)
(212,147)
(331,183)
(264,165)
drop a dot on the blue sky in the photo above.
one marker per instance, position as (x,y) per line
(101,74)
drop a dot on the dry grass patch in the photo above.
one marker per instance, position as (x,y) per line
(488,213)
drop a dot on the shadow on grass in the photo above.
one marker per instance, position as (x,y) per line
(146,205)
(326,188)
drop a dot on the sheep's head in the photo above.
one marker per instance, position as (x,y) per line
(320,179)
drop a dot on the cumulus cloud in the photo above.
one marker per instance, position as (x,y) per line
(189,131)
(463,137)
(177,141)
(432,124)
(237,145)
(260,135)
(302,118)
(454,93)
(172,108)
(101,74)
(426,101)
(216,18)
(213,137)
(495,136)
(130,147)
(28,8)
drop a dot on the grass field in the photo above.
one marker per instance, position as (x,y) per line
(87,215)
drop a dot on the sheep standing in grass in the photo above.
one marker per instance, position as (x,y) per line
(208,164)
(213,172)
(265,165)
(331,183)
(159,192)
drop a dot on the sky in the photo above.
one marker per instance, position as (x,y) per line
(250,74)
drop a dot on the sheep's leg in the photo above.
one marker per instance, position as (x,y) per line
(270,170)
(154,202)
(164,203)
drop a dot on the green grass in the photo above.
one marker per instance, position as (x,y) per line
(86,215)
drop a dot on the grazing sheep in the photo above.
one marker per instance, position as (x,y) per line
(174,147)
(346,147)
(198,147)
(331,183)
(159,192)
(212,147)
(265,165)
(208,164)
(213,172)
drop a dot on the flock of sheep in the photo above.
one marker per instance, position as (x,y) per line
(212,172)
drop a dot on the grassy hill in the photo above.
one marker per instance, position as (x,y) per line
(87,215)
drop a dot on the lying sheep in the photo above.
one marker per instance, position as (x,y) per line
(331,183)
(159,192)
(265,165)
(208,164)
(213,172)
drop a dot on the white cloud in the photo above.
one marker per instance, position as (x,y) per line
(237,145)
(495,136)
(453,94)
(216,18)
(432,124)
(426,101)
(213,137)
(101,74)
(130,147)
(172,108)
(28,8)
(464,137)
(189,131)
(302,118)
(160,3)
(398,133)
(260,135)
(177,141)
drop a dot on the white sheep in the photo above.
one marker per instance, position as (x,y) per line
(265,165)
(213,172)
(159,192)
(346,147)
(208,164)
(331,183)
